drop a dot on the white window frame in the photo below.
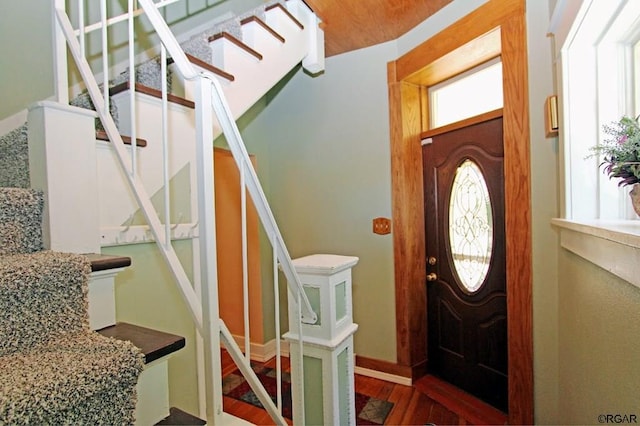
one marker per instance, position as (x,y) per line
(594,42)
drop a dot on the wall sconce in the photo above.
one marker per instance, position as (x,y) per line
(551,116)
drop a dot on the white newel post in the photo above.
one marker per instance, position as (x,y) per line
(62,163)
(327,345)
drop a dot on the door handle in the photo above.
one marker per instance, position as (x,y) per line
(432,276)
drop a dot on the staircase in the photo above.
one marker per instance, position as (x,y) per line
(55,369)
(171,108)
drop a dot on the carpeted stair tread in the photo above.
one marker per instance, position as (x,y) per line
(179,417)
(55,370)
(14,158)
(42,296)
(101,135)
(83,378)
(20,220)
(154,344)
(103,262)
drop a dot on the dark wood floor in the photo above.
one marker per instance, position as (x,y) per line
(428,401)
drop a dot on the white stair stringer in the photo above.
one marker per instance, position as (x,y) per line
(252,79)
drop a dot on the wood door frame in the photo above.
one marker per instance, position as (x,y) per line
(464,44)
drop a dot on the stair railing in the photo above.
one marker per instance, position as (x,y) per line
(210,99)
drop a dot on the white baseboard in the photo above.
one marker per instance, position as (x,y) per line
(261,352)
(383,376)
(13,122)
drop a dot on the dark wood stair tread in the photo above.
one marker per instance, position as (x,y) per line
(154,344)
(205,65)
(103,262)
(179,417)
(141,88)
(237,42)
(293,18)
(102,136)
(260,22)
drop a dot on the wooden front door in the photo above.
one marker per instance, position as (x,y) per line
(466,265)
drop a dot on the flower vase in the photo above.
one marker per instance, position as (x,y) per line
(635,198)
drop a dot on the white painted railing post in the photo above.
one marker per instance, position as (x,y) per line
(61,80)
(208,246)
(314,60)
(327,345)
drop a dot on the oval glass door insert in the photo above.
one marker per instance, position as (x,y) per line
(470,226)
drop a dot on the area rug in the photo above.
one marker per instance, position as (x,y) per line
(369,411)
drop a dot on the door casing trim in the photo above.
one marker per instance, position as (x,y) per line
(407,79)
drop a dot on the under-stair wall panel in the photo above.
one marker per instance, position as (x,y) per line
(117,201)
(281,41)
(229,239)
(250,84)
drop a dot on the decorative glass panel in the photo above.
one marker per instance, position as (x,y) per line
(313,294)
(341,300)
(470,226)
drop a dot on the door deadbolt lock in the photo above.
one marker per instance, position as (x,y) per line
(432,276)
(432,260)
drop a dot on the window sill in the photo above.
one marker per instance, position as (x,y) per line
(612,245)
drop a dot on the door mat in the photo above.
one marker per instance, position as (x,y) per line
(369,410)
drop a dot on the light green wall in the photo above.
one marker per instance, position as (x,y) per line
(146,295)
(544,200)
(326,144)
(26,70)
(599,325)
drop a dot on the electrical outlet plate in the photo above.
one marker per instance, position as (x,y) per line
(381,226)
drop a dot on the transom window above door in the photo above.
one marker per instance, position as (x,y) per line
(471,93)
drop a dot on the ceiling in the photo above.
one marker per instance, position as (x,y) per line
(354,24)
